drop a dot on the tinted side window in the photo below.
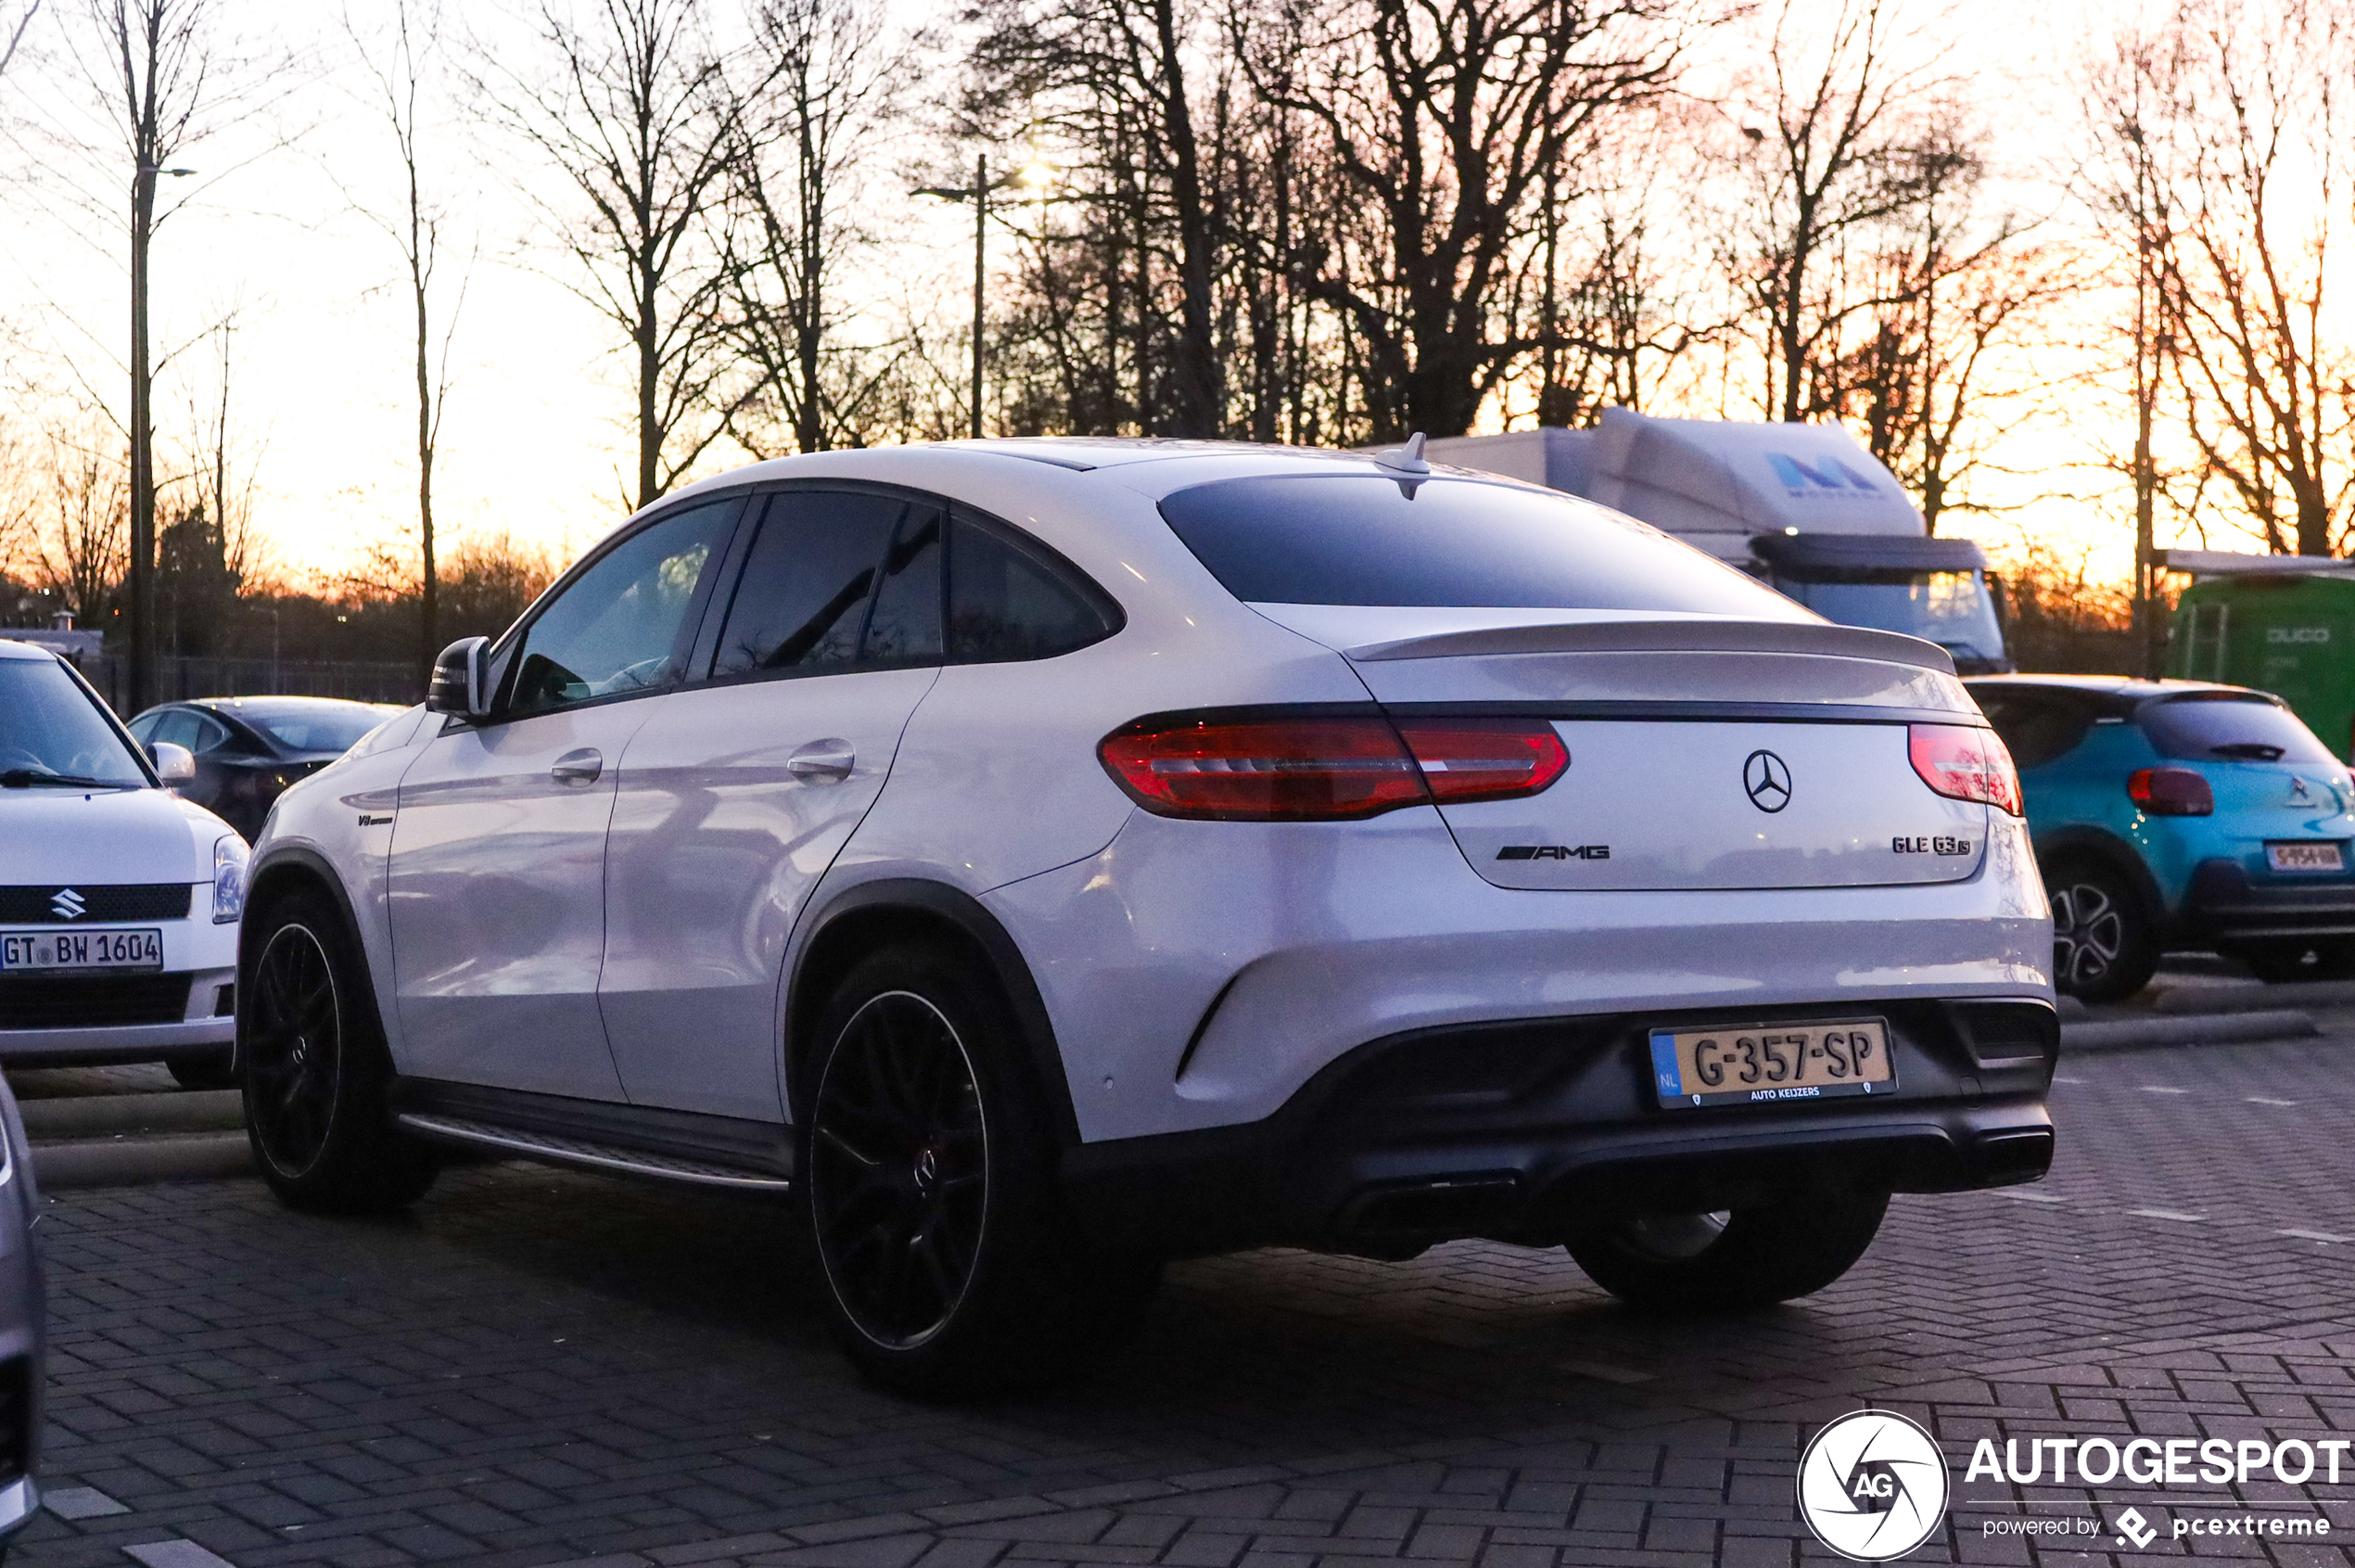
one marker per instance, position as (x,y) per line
(143,729)
(177,728)
(802,602)
(905,627)
(2037,727)
(622,625)
(1005,605)
(211,735)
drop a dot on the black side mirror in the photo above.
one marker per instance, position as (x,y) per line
(461,679)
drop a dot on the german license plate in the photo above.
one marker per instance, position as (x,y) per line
(82,950)
(1757,1064)
(2307,856)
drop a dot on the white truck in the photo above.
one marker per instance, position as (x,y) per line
(1803,506)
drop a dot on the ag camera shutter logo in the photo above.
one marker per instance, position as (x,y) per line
(1872,1485)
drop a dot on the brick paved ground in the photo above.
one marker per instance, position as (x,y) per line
(540,1368)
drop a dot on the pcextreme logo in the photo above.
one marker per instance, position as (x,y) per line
(1872,1485)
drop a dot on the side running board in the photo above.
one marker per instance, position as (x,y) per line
(562,1150)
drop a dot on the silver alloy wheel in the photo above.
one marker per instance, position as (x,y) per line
(1675,1237)
(2089,932)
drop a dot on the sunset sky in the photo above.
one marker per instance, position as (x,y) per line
(269,239)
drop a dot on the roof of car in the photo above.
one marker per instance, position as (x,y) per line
(10,648)
(2130,686)
(1152,466)
(263,708)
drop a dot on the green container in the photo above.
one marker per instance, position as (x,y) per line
(2292,635)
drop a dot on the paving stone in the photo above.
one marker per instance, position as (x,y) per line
(543,1368)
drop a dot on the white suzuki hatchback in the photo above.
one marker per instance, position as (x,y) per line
(119,901)
(1048,858)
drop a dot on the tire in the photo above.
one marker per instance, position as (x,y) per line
(1728,1262)
(2104,946)
(2316,958)
(315,1070)
(926,1170)
(214,1069)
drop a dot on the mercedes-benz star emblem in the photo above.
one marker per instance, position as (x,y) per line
(1767,778)
(67,904)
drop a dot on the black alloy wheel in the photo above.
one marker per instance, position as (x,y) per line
(926,1160)
(899,1171)
(293,1051)
(2103,949)
(312,1065)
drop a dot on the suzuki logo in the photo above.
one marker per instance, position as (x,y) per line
(2298,792)
(66,905)
(1767,779)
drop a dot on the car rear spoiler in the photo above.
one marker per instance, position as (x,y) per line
(1668,636)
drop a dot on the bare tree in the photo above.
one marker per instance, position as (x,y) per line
(12,30)
(80,559)
(1829,170)
(1442,119)
(1122,67)
(831,84)
(2132,107)
(2264,375)
(419,227)
(151,63)
(638,111)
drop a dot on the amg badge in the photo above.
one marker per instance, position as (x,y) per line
(1554,852)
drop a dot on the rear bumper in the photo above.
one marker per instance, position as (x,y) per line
(2225,905)
(1525,1131)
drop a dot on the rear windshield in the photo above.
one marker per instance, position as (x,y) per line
(50,731)
(1350,539)
(2229,726)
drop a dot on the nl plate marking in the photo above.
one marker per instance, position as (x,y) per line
(1766,1064)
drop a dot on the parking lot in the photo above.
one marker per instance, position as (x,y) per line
(540,1368)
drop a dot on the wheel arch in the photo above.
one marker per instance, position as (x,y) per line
(285,872)
(872,914)
(2112,853)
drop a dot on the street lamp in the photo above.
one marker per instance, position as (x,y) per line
(1035,177)
(143,471)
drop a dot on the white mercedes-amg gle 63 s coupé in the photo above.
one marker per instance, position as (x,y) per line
(1044,859)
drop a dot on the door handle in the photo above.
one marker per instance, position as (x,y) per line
(826,761)
(579,767)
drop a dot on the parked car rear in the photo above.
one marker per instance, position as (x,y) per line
(2179,815)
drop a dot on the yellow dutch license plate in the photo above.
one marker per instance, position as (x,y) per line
(1760,1064)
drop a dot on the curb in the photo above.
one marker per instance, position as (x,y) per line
(98,1115)
(115,1162)
(2182,1000)
(2209,1028)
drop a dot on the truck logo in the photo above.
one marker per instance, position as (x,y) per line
(2279,635)
(1766,779)
(1829,473)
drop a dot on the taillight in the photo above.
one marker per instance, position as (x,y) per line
(1484,759)
(2171,791)
(1325,768)
(1963,762)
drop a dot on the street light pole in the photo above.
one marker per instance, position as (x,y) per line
(143,479)
(981,234)
(142,684)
